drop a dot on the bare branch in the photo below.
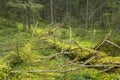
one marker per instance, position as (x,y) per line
(113,43)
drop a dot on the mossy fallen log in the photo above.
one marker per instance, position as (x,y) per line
(74,51)
(71,49)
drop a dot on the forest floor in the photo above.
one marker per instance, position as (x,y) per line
(32,55)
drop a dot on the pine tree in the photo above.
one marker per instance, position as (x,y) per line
(27,8)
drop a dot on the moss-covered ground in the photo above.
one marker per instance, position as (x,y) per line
(26,55)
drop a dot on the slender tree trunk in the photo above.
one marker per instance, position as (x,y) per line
(67,7)
(24,20)
(28,14)
(87,5)
(29,21)
(52,17)
(0,7)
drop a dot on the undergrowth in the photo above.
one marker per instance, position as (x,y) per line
(30,53)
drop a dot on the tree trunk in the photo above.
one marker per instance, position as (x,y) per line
(28,16)
(87,5)
(52,17)
(24,20)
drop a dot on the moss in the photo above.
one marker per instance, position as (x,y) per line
(109,60)
(30,59)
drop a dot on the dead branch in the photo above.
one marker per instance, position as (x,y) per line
(91,66)
(101,43)
(45,71)
(108,69)
(68,70)
(86,49)
(89,60)
(113,43)
(77,44)
(117,63)
(60,53)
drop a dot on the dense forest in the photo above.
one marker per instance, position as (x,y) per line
(59,39)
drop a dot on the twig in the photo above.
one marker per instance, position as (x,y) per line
(89,60)
(97,47)
(70,33)
(108,69)
(54,55)
(108,42)
(99,66)
(61,53)
(86,49)
(93,57)
(90,66)
(113,43)
(100,45)
(117,63)
(77,44)
(68,70)
(45,71)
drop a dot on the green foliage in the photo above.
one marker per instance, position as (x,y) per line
(23,4)
(113,4)
(3,71)
(32,53)
(68,20)
(31,50)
